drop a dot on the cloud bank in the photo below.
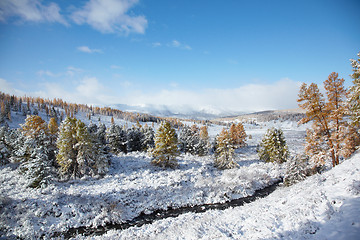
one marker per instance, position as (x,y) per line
(31,11)
(247,98)
(110,16)
(106,16)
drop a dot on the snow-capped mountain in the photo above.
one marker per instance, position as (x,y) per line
(179,111)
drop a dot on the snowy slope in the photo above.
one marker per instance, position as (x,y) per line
(323,206)
(131,187)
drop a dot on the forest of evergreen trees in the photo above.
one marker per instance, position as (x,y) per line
(65,148)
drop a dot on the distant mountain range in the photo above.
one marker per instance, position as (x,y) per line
(179,111)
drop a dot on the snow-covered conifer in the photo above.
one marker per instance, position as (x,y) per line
(148,138)
(297,169)
(5,152)
(38,168)
(116,139)
(166,150)
(134,139)
(224,154)
(273,147)
(187,140)
(354,98)
(79,154)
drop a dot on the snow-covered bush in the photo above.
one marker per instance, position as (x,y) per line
(273,147)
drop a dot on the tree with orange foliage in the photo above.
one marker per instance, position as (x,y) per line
(330,136)
(34,126)
(224,154)
(238,134)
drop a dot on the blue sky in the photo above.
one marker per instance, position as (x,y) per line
(228,55)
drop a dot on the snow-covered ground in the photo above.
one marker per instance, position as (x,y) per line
(134,186)
(131,187)
(323,206)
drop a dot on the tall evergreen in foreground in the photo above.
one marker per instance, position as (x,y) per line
(80,152)
(166,150)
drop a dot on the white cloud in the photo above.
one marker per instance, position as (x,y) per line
(86,49)
(177,44)
(156,44)
(250,97)
(31,11)
(72,71)
(110,16)
(115,67)
(7,87)
(247,98)
(48,73)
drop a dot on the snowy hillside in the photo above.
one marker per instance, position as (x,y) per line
(134,187)
(321,207)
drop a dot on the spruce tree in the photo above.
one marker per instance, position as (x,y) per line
(148,138)
(186,140)
(273,147)
(224,154)
(79,151)
(67,155)
(166,150)
(116,139)
(354,98)
(5,151)
(296,170)
(203,145)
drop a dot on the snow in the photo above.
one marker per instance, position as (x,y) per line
(321,207)
(131,187)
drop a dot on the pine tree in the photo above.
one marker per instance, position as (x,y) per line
(166,150)
(238,134)
(117,139)
(5,152)
(186,140)
(224,154)
(79,151)
(148,138)
(134,139)
(53,130)
(272,147)
(331,137)
(354,98)
(296,170)
(38,168)
(67,154)
(203,145)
